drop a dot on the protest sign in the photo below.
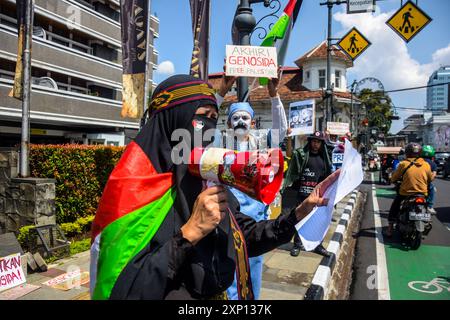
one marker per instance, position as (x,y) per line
(11,272)
(69,280)
(338,128)
(251,61)
(302,117)
(314,227)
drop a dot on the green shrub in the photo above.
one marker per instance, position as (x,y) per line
(26,237)
(80,226)
(81,173)
(80,246)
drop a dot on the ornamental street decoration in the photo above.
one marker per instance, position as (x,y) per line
(354,43)
(408,21)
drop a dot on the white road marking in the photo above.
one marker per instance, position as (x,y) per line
(382,274)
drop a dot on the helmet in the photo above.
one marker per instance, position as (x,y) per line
(427,151)
(413,149)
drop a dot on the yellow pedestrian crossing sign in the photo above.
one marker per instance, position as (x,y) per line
(408,21)
(354,43)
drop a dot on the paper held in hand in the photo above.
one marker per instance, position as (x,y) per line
(251,61)
(314,227)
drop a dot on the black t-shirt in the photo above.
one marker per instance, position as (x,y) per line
(313,173)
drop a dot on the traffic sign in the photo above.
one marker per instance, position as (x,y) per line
(360,6)
(408,21)
(354,43)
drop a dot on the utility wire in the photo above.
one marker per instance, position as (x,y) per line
(421,87)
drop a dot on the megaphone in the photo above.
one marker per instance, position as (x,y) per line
(258,173)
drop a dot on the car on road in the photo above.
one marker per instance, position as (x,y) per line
(440,159)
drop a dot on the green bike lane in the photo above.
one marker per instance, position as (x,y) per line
(422,274)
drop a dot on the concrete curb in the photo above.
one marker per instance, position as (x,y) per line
(321,280)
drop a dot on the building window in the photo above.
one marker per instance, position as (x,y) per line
(337,79)
(308,75)
(322,78)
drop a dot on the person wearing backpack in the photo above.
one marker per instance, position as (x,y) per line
(413,175)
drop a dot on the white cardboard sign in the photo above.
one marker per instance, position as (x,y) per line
(251,61)
(338,128)
(11,272)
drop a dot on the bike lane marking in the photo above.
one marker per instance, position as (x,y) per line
(423,266)
(426,269)
(382,271)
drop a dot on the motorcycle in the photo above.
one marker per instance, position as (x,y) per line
(414,220)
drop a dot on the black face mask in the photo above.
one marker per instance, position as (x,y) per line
(201,123)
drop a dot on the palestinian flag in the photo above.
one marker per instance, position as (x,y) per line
(134,203)
(279,34)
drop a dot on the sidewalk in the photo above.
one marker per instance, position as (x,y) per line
(45,292)
(288,278)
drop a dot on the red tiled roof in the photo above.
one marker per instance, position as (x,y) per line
(320,52)
(290,88)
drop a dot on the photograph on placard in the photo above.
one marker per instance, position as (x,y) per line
(301,117)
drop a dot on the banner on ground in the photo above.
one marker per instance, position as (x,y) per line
(11,272)
(338,128)
(251,61)
(69,280)
(302,117)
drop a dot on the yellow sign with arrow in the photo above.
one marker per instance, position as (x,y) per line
(408,21)
(354,43)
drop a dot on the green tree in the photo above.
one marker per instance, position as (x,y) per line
(378,106)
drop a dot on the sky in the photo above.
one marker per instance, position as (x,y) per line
(395,63)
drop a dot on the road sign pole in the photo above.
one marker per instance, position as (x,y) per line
(329,92)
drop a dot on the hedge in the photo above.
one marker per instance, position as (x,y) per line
(81,173)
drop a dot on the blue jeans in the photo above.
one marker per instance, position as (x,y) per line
(431,193)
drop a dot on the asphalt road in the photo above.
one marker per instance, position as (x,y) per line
(386,270)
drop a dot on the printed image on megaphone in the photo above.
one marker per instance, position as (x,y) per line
(258,173)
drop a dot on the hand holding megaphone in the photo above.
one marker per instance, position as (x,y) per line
(209,209)
(257,173)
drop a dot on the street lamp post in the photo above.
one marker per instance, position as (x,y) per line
(353,123)
(328,114)
(245,22)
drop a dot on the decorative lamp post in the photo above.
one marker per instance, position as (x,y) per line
(245,22)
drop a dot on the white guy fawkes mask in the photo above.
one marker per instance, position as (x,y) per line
(241,122)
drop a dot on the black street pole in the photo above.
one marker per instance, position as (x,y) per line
(353,124)
(328,110)
(244,22)
(329,91)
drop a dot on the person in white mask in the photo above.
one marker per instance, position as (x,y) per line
(242,136)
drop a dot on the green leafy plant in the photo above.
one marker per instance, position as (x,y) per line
(80,226)
(26,237)
(80,246)
(81,173)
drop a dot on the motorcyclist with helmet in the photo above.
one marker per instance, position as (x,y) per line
(428,154)
(414,175)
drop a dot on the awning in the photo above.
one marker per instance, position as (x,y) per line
(389,150)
